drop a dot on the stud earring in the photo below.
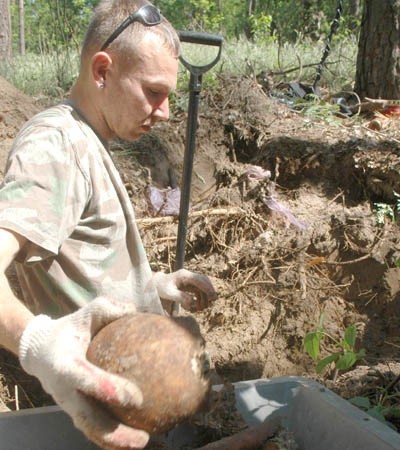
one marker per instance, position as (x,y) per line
(101,85)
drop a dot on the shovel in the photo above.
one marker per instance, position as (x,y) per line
(196,74)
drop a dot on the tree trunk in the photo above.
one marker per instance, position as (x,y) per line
(378,59)
(5,31)
(21,26)
(354,8)
(251,7)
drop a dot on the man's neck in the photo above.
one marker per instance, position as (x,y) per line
(82,100)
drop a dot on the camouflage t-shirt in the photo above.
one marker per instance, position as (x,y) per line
(63,193)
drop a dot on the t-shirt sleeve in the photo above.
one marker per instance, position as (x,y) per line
(44,191)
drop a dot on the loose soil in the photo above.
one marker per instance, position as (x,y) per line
(276,271)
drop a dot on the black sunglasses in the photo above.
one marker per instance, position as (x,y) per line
(147,15)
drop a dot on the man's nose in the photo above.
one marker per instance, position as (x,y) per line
(161,112)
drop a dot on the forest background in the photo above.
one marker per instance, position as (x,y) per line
(50,25)
(53,31)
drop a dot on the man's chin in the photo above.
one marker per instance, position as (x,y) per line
(134,136)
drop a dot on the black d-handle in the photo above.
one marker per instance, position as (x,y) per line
(198,37)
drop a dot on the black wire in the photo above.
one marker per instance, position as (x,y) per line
(327,50)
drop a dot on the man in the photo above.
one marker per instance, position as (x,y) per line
(67,222)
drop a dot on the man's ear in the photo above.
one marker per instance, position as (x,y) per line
(101,64)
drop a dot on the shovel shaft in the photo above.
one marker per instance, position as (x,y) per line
(196,73)
(194,101)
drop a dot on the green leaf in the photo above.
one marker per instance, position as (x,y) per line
(376,412)
(311,343)
(326,361)
(344,345)
(397,263)
(346,361)
(350,335)
(394,412)
(361,402)
(360,354)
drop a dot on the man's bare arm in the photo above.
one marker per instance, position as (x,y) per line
(14,316)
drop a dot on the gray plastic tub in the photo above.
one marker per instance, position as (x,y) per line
(318,418)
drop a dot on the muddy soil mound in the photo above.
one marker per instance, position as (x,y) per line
(283,221)
(284,249)
(15,109)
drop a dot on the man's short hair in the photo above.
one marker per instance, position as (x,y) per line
(109,14)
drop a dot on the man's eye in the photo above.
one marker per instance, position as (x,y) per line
(154,92)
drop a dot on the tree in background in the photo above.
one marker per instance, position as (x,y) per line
(59,24)
(287,20)
(5,31)
(378,60)
(294,20)
(21,27)
(354,7)
(51,25)
(205,15)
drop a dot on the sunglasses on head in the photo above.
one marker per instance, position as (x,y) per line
(147,15)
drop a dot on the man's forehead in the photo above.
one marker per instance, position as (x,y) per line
(154,42)
(151,46)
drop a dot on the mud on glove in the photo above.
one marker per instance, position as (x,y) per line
(178,287)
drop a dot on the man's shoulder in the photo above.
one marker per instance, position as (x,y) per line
(57,117)
(58,123)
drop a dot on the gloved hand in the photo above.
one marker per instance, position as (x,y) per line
(178,287)
(55,352)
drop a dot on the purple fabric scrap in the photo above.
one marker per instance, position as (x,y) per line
(273,204)
(257,173)
(164,202)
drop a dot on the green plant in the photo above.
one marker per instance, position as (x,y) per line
(386,211)
(46,75)
(383,211)
(382,409)
(261,28)
(312,107)
(346,355)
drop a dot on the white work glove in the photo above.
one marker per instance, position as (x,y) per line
(55,352)
(191,290)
